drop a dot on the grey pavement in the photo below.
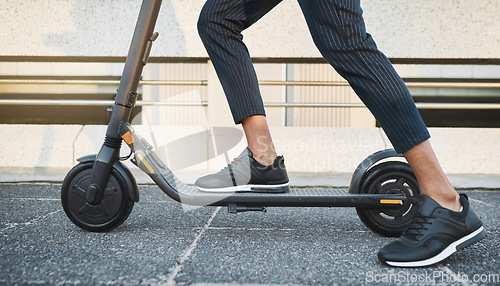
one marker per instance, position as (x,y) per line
(162,244)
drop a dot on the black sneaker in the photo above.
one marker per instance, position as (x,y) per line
(434,234)
(245,174)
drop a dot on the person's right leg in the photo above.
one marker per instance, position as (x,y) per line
(220,25)
(259,139)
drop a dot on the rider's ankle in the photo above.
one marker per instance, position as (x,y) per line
(263,157)
(449,201)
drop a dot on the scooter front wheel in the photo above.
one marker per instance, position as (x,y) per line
(391,177)
(113,210)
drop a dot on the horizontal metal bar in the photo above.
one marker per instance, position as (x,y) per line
(312,104)
(263,83)
(173,82)
(409,84)
(454,84)
(303,83)
(101,82)
(421,105)
(429,105)
(171,103)
(72,102)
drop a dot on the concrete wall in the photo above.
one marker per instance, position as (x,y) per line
(402,29)
(203,150)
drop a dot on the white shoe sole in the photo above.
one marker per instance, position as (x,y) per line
(281,188)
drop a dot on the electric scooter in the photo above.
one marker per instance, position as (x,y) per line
(98,194)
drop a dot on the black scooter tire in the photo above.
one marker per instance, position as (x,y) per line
(392,177)
(114,209)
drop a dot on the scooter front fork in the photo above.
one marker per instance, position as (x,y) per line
(109,154)
(103,164)
(110,150)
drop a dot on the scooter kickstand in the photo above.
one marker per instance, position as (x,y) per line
(234,208)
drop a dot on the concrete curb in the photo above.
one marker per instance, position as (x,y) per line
(201,150)
(56,175)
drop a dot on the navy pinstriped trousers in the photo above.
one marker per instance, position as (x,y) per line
(338,30)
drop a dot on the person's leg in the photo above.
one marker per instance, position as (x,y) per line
(259,139)
(258,168)
(220,25)
(431,178)
(339,32)
(437,230)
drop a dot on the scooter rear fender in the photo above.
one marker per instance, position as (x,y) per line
(133,189)
(366,164)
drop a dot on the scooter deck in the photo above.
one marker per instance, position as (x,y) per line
(313,197)
(146,159)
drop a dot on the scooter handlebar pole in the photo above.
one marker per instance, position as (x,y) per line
(132,71)
(125,98)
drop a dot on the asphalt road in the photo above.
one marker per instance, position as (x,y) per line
(162,243)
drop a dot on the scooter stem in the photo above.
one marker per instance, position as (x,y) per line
(125,98)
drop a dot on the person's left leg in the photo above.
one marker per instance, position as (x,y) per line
(431,177)
(338,30)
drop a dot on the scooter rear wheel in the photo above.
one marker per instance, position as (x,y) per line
(113,210)
(392,177)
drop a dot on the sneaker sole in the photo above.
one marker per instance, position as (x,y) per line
(275,189)
(460,244)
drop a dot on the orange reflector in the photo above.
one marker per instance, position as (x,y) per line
(392,202)
(128,137)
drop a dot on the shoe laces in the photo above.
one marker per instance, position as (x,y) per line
(417,226)
(236,161)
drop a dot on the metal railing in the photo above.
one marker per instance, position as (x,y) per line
(264,82)
(83,102)
(409,84)
(100,82)
(71,102)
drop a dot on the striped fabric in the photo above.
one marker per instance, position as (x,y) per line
(338,30)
